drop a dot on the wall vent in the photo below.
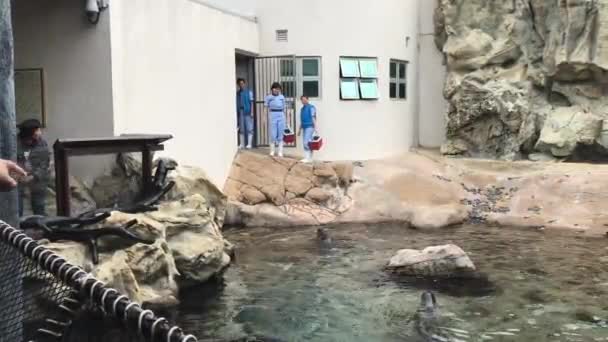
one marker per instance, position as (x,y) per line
(282,35)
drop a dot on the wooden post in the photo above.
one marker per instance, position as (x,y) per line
(62,181)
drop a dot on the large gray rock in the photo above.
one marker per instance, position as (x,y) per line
(566,128)
(121,186)
(437,261)
(511,64)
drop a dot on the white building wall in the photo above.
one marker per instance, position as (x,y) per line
(432,71)
(330,29)
(75,56)
(174,72)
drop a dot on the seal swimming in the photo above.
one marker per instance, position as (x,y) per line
(428,319)
(323,236)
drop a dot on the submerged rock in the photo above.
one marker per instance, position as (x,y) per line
(448,260)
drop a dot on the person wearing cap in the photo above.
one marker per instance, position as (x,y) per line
(34,157)
(275,106)
(244,105)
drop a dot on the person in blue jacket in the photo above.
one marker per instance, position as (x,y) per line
(244,105)
(308,126)
(275,106)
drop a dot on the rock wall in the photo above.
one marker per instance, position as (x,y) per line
(525,76)
(189,247)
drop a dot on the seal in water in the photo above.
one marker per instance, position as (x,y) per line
(427,317)
(323,236)
(428,320)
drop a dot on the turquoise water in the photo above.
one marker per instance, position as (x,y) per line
(533,286)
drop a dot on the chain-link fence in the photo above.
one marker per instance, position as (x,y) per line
(45,298)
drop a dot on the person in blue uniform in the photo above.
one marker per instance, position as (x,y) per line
(244,106)
(308,126)
(275,105)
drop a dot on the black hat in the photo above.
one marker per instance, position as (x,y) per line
(28,127)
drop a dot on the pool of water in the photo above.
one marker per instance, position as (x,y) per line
(538,286)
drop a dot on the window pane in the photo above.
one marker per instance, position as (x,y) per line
(310,88)
(369,89)
(287,68)
(393,70)
(402,70)
(289,88)
(393,90)
(349,67)
(369,68)
(310,67)
(402,91)
(349,89)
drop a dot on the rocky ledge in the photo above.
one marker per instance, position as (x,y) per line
(188,250)
(420,189)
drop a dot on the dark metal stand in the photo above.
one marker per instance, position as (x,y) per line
(73,228)
(66,148)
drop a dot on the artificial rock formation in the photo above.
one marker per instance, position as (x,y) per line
(189,248)
(265,191)
(524,76)
(436,261)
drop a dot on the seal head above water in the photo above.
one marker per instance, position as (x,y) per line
(427,317)
(323,236)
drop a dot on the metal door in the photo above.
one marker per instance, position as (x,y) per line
(268,70)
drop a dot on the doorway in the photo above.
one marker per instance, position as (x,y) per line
(268,70)
(245,65)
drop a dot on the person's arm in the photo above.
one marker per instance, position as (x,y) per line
(314,119)
(252,103)
(267,105)
(285,109)
(10,174)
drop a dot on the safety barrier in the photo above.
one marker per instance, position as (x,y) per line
(33,278)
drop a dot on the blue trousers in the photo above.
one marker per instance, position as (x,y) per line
(245,123)
(276,123)
(307,136)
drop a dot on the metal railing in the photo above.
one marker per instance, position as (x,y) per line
(34,279)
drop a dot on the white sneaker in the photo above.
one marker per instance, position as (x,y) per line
(272,149)
(307,157)
(249,141)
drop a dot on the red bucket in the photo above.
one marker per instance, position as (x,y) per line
(289,137)
(316,143)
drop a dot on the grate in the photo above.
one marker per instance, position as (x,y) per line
(282,35)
